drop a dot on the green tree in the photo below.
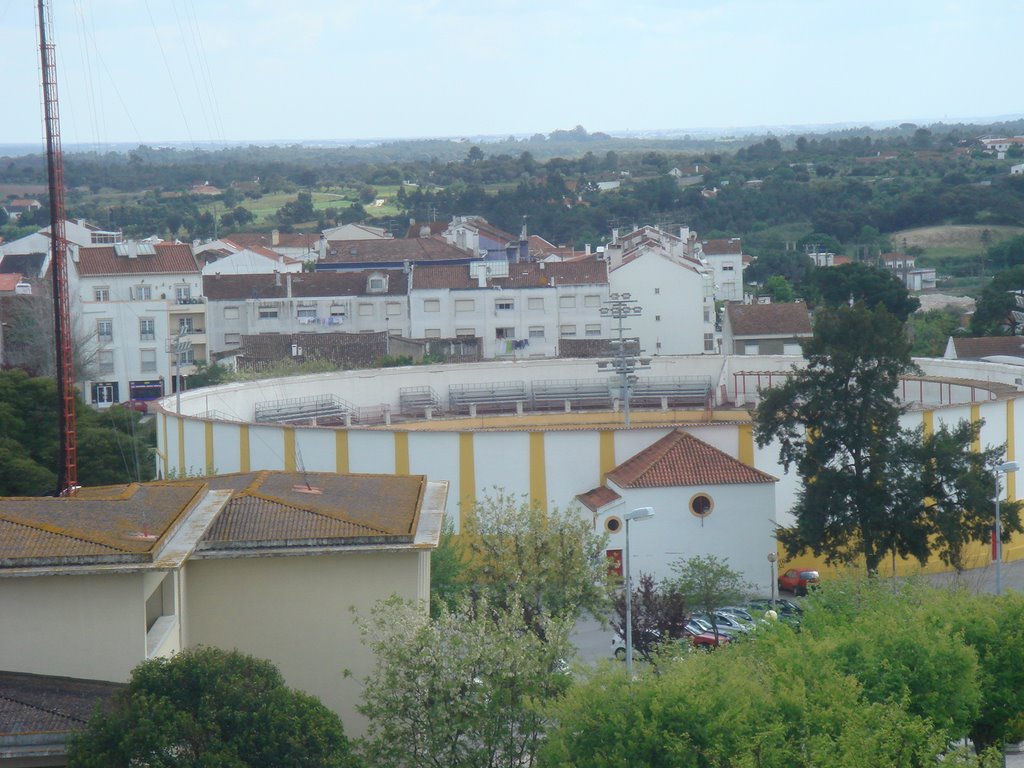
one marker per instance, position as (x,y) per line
(461,690)
(855,282)
(930,331)
(545,562)
(778,289)
(837,422)
(208,707)
(992,314)
(707,582)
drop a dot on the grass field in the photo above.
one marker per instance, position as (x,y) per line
(953,241)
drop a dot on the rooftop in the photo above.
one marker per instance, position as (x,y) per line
(787,319)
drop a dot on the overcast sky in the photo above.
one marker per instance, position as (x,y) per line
(146,71)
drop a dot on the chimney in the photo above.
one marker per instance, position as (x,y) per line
(481,277)
(288,284)
(275,237)
(321,251)
(277,278)
(587,247)
(615,236)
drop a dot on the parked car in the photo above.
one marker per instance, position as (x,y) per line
(726,624)
(798,580)
(643,644)
(782,606)
(701,636)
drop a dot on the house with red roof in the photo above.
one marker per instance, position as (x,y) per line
(705,503)
(765,329)
(140,317)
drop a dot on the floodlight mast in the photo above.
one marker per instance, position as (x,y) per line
(625,363)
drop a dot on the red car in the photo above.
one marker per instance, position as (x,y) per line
(797,580)
(703,637)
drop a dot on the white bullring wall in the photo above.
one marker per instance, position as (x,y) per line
(550,457)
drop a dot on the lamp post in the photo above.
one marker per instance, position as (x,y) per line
(625,363)
(772,557)
(641,513)
(1001,469)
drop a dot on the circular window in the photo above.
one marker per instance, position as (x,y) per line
(613,525)
(701,505)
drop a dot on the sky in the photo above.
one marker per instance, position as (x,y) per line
(195,71)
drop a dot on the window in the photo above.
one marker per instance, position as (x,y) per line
(268,312)
(185,326)
(707,315)
(187,356)
(376,284)
(567,330)
(709,342)
(431,305)
(101,294)
(537,332)
(365,310)
(567,302)
(593,329)
(592,300)
(230,313)
(105,361)
(148,360)
(104,392)
(727,268)
(306,313)
(657,318)
(147,329)
(339,311)
(105,331)
(504,304)
(465,332)
(465,305)
(232,339)
(504,333)
(657,291)
(432,333)
(394,308)
(701,505)
(183,294)
(536,303)
(142,293)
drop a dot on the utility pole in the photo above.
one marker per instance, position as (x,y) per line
(625,363)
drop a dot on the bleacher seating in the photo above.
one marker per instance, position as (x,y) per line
(414,401)
(579,393)
(323,409)
(494,397)
(673,391)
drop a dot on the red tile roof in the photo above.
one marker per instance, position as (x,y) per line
(988,346)
(769,319)
(584,272)
(680,459)
(304,240)
(169,259)
(415,249)
(598,497)
(722,247)
(304,285)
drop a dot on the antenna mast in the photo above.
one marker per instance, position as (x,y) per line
(67,473)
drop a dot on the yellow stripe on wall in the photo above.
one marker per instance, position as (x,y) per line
(243,448)
(401,453)
(341,452)
(607,453)
(182,469)
(167,459)
(928,419)
(538,472)
(467,476)
(210,464)
(1011,477)
(975,418)
(289,449)
(745,449)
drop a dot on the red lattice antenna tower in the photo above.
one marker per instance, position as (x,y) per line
(67,471)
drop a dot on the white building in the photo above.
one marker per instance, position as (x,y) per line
(132,304)
(673,288)
(346,302)
(725,257)
(254,260)
(517,310)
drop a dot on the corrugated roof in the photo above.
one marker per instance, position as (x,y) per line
(769,319)
(304,285)
(680,459)
(528,275)
(377,250)
(169,259)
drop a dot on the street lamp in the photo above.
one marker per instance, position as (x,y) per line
(642,513)
(772,557)
(626,363)
(1000,469)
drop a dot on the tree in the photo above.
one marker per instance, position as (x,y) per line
(778,288)
(873,287)
(545,562)
(657,612)
(462,690)
(708,583)
(837,422)
(992,316)
(208,707)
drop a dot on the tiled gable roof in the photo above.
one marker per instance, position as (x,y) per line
(32,705)
(305,240)
(769,319)
(722,247)
(416,249)
(599,497)
(304,285)
(680,459)
(527,275)
(988,346)
(169,259)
